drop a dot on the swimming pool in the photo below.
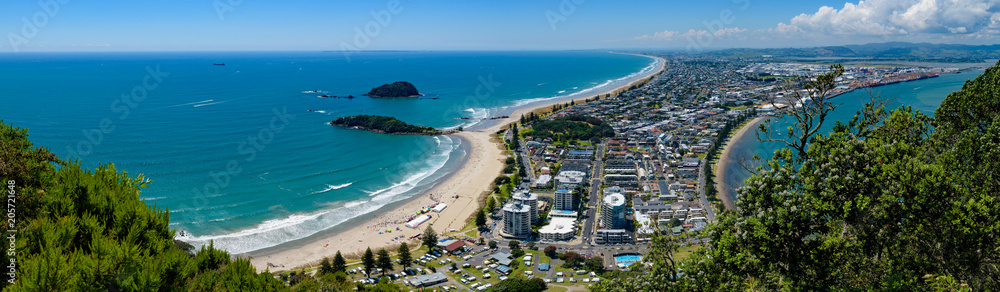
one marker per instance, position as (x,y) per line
(627,259)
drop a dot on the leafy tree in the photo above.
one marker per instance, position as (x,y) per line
(325,267)
(493,244)
(481,219)
(89,230)
(572,259)
(595,264)
(550,251)
(514,284)
(430,238)
(339,264)
(368,260)
(514,244)
(882,201)
(517,253)
(405,259)
(384,261)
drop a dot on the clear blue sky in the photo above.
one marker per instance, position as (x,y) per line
(119,25)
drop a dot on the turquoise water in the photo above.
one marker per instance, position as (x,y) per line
(628,259)
(923,95)
(242,156)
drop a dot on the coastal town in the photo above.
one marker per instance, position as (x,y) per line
(587,183)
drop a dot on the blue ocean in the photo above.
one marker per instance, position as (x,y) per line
(237,146)
(922,95)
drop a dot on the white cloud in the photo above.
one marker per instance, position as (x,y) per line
(660,36)
(897,18)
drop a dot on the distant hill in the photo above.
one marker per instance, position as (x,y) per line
(897,51)
(396,89)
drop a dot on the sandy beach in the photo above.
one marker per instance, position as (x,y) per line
(720,169)
(484,163)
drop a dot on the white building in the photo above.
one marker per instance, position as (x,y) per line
(613,211)
(516,220)
(559,228)
(530,200)
(572,178)
(566,200)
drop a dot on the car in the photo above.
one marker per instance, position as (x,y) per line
(547,280)
(464,281)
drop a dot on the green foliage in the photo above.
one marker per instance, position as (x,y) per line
(493,244)
(595,264)
(501,180)
(405,259)
(550,251)
(368,260)
(875,205)
(515,284)
(88,230)
(382,124)
(339,265)
(514,244)
(572,128)
(430,238)
(481,219)
(571,260)
(396,89)
(325,266)
(384,262)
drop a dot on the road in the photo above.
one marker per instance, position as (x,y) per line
(590,209)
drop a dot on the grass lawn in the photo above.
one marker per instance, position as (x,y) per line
(684,252)
(555,288)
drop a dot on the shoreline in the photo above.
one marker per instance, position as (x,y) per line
(483,163)
(720,166)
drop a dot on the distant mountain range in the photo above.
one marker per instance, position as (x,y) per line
(897,51)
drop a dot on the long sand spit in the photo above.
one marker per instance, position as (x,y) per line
(469,184)
(724,160)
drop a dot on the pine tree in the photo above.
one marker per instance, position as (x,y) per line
(481,219)
(369,261)
(325,267)
(339,264)
(430,237)
(384,262)
(404,255)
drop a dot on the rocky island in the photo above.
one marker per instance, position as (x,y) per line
(396,89)
(386,125)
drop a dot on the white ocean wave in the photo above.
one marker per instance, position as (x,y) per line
(297,226)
